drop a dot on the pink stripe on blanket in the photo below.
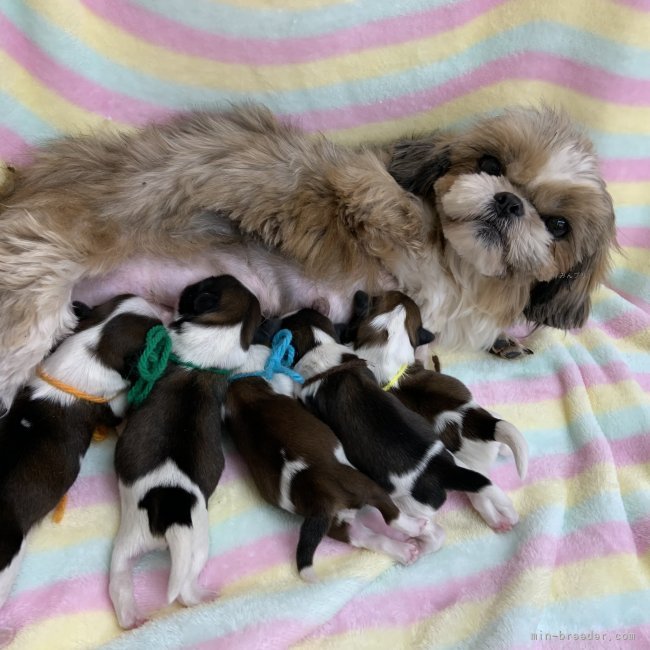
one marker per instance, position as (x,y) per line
(626,169)
(639,5)
(628,451)
(586,79)
(13,149)
(405,607)
(638,236)
(642,304)
(554,386)
(71,85)
(90,592)
(161,31)
(626,324)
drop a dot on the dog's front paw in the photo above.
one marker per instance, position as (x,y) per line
(495,506)
(509,348)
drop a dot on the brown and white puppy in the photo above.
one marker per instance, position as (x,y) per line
(385,330)
(298,464)
(380,436)
(511,221)
(48,429)
(169,457)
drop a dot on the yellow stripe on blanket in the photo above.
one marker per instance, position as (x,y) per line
(121,47)
(95,628)
(47,104)
(536,588)
(637,193)
(594,113)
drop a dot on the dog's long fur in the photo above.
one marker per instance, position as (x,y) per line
(298,218)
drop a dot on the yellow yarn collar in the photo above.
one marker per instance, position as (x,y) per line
(396,377)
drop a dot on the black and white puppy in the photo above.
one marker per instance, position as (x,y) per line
(381,437)
(385,330)
(169,457)
(47,431)
(298,464)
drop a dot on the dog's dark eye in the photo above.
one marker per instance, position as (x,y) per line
(557,226)
(490,165)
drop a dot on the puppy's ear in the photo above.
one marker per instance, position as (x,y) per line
(418,163)
(360,305)
(81,310)
(565,301)
(343,333)
(251,323)
(425,336)
(265,332)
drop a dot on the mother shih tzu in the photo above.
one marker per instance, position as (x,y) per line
(505,221)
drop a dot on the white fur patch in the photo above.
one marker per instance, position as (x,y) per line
(323,357)
(403,483)
(339,454)
(188,546)
(289,470)
(209,346)
(568,165)
(74,363)
(386,359)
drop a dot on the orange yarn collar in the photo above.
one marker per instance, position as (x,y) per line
(71,390)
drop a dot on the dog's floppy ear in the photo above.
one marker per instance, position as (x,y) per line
(81,309)
(565,301)
(360,305)
(417,164)
(424,336)
(347,332)
(265,332)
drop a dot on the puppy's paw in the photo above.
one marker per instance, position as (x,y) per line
(407,552)
(432,538)
(496,508)
(411,526)
(194,594)
(509,348)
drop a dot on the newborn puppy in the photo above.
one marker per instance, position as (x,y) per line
(298,464)
(385,331)
(169,457)
(48,429)
(380,436)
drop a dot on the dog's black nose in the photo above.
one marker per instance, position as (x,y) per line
(508,205)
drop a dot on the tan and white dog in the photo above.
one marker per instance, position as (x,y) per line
(506,220)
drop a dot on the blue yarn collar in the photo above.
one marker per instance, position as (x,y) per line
(279,361)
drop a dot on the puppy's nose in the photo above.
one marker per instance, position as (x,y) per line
(508,205)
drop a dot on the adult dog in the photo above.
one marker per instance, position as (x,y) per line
(505,220)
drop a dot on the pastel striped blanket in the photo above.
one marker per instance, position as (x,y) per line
(578,563)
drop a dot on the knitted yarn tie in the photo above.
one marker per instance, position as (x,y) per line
(279,361)
(152,363)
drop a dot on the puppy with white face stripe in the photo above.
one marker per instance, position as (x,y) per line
(298,464)
(47,431)
(169,457)
(385,330)
(380,436)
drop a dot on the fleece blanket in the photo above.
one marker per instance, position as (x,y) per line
(575,572)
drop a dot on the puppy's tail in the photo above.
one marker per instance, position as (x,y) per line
(170,516)
(312,531)
(509,435)
(12,549)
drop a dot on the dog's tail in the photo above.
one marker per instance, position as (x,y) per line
(509,435)
(12,549)
(170,516)
(479,424)
(312,531)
